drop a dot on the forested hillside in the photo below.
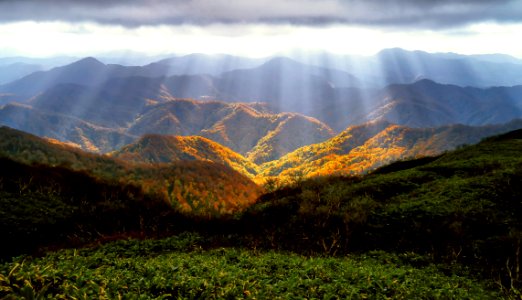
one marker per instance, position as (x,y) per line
(196,186)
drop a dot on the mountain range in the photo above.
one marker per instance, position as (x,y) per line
(274,116)
(399,66)
(335,96)
(357,150)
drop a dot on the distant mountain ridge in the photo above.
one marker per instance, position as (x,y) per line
(329,95)
(399,66)
(326,92)
(426,103)
(198,64)
(14,71)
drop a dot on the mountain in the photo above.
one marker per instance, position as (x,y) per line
(337,98)
(134,105)
(496,58)
(122,109)
(197,64)
(285,83)
(423,103)
(363,148)
(399,66)
(458,215)
(43,206)
(292,132)
(199,187)
(117,102)
(14,71)
(133,101)
(153,148)
(244,128)
(427,104)
(113,104)
(85,135)
(44,62)
(87,72)
(91,72)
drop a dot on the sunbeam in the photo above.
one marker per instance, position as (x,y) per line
(277,149)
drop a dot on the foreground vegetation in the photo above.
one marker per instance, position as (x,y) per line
(442,227)
(464,207)
(178,267)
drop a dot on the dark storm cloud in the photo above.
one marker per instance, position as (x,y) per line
(411,13)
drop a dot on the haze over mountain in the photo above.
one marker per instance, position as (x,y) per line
(14,71)
(336,97)
(91,72)
(426,103)
(88,71)
(285,83)
(399,66)
(198,64)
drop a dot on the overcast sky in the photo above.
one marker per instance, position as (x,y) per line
(258,28)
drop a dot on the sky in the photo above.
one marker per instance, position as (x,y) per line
(43,28)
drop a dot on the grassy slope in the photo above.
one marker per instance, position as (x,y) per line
(464,206)
(178,268)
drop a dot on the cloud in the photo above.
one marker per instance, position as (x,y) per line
(395,13)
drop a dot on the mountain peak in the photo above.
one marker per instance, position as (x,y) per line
(277,61)
(425,82)
(392,51)
(88,61)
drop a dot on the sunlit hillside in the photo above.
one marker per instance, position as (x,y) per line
(165,149)
(248,129)
(360,149)
(201,187)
